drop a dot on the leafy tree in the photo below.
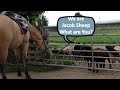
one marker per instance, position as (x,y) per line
(78,14)
(42,20)
(32,15)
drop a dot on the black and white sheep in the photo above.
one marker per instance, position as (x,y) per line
(115,53)
(96,59)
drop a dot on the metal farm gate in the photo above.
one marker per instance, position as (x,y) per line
(63,60)
(69,60)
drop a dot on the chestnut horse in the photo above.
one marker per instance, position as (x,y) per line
(12,39)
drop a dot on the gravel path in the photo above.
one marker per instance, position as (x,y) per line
(69,73)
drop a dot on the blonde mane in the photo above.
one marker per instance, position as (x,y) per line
(35,33)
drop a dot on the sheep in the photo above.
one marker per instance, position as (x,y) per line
(77,47)
(103,54)
(77,53)
(68,50)
(113,54)
(57,51)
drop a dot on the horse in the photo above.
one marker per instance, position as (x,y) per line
(12,39)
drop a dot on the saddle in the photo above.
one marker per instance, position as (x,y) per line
(20,20)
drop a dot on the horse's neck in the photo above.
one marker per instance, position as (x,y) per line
(35,34)
(32,32)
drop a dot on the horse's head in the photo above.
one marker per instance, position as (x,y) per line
(36,37)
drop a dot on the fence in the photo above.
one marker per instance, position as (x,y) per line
(68,61)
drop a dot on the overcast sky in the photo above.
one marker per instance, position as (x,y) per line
(53,16)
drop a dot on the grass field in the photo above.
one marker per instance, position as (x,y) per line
(35,68)
(87,39)
(83,39)
(103,39)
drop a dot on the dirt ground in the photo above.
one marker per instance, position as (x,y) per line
(68,73)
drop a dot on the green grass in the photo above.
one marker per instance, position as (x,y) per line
(84,39)
(87,39)
(61,62)
(35,68)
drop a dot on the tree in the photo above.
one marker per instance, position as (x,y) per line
(78,14)
(42,20)
(34,17)
(30,15)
